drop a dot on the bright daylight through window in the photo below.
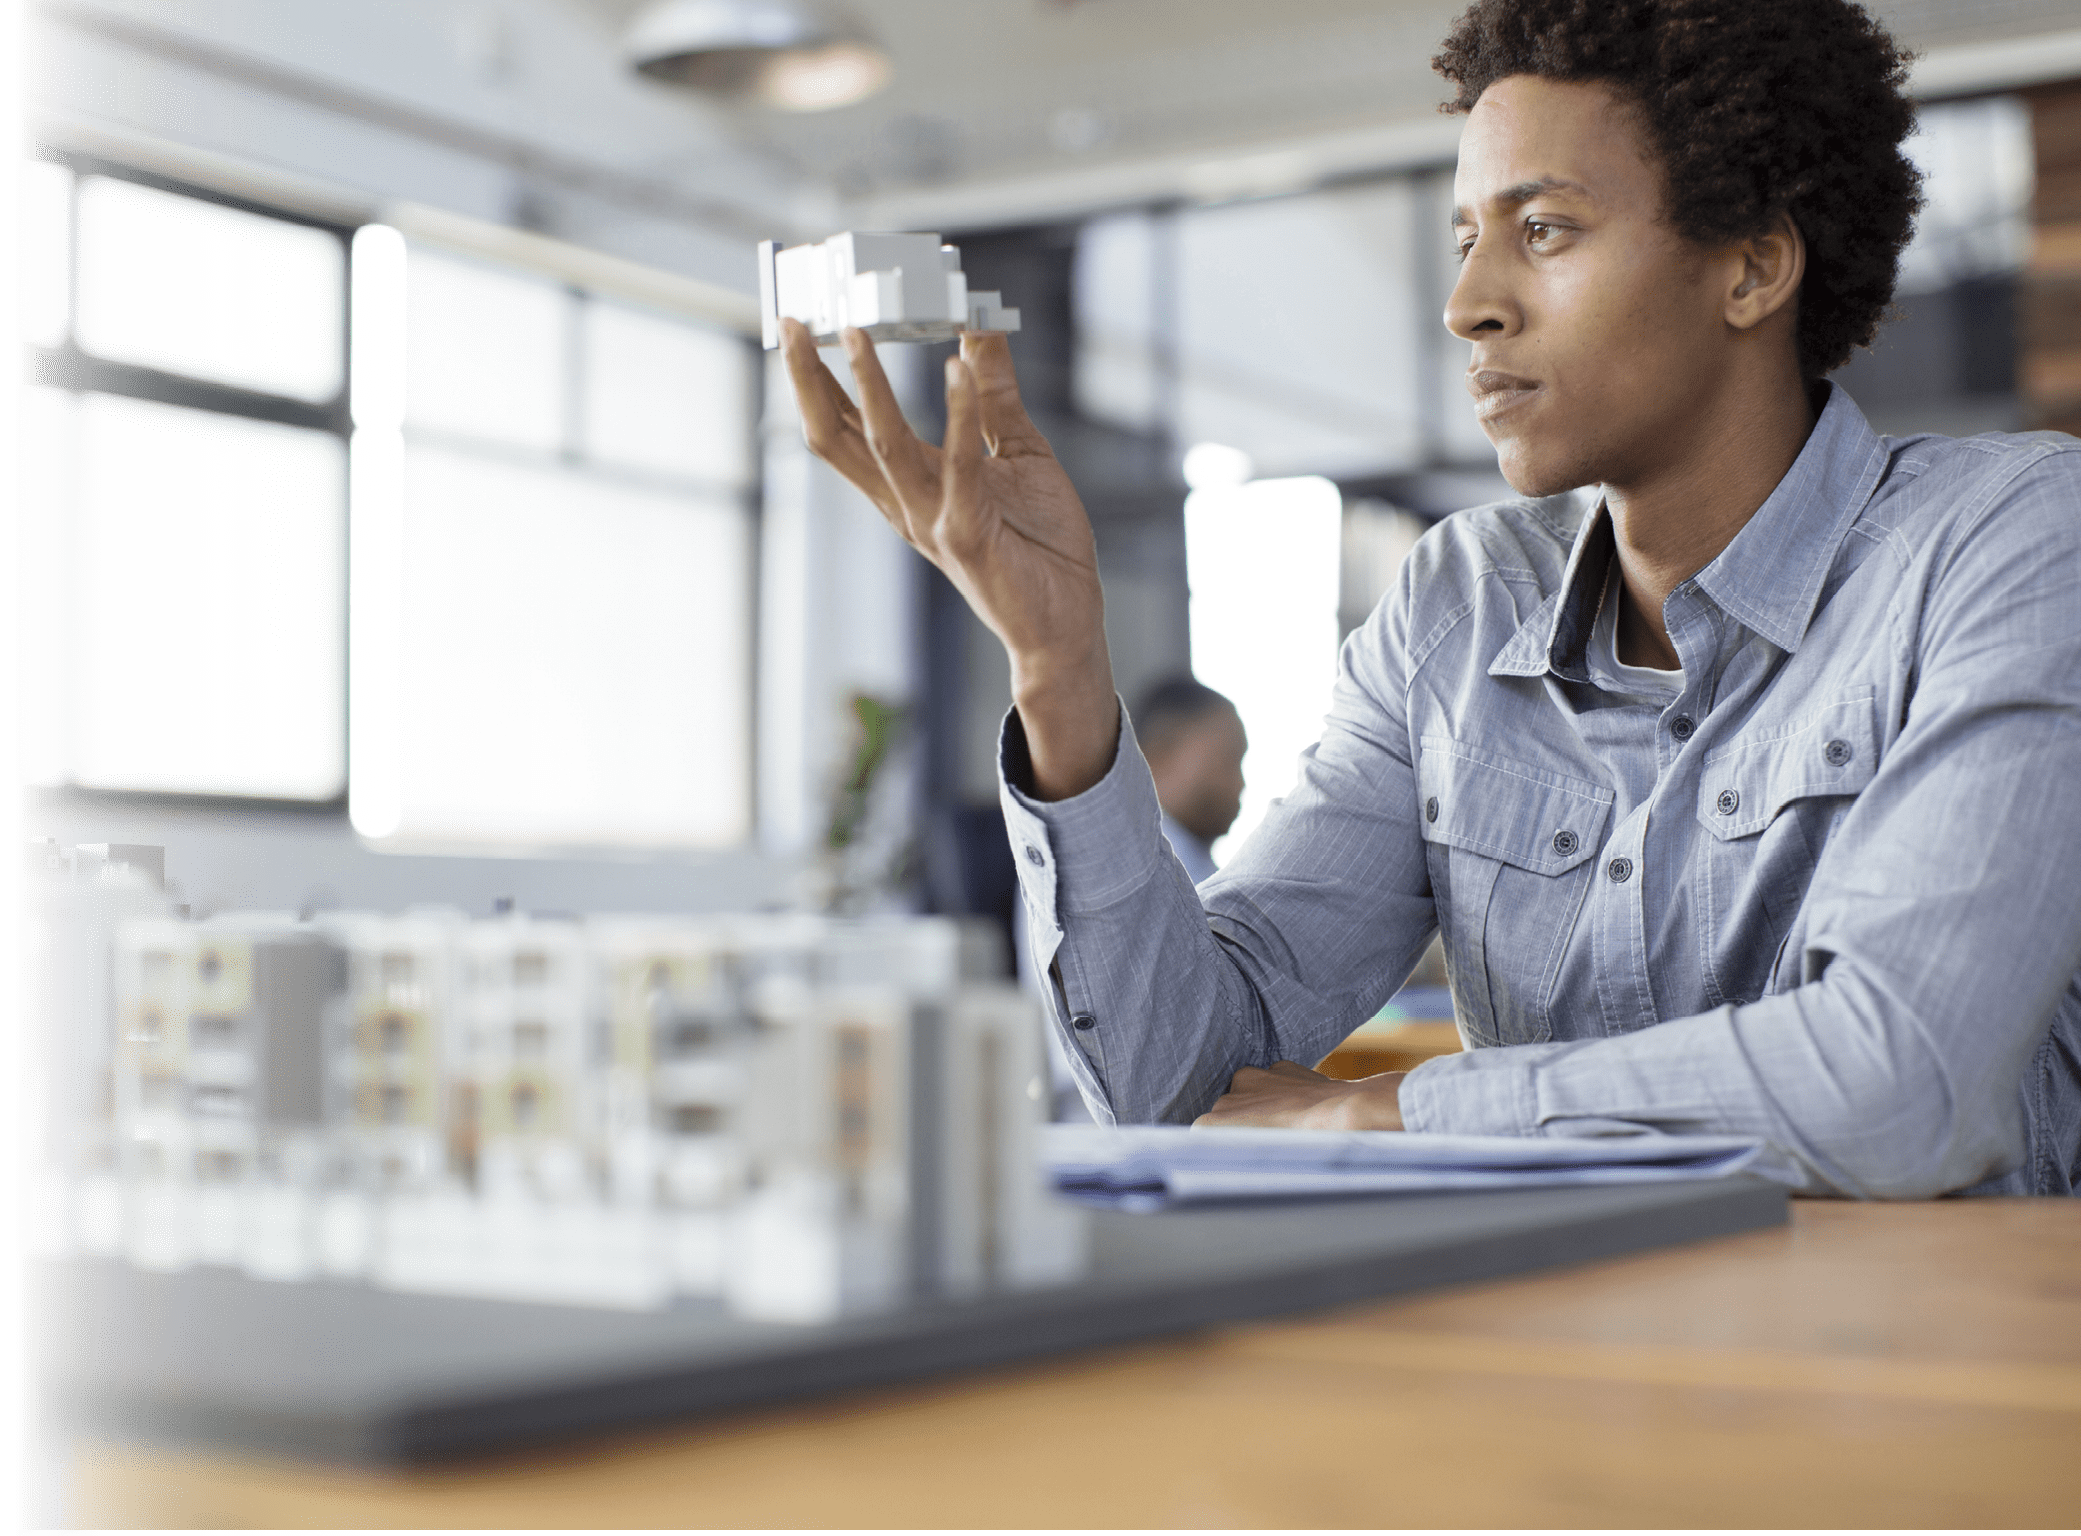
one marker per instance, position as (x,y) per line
(551,538)
(552,563)
(183,493)
(1261,558)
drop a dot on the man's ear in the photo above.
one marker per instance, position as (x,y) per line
(1771,266)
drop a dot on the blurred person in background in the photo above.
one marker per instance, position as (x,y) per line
(1194,742)
(1735,760)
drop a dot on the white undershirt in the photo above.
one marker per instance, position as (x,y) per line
(1649,682)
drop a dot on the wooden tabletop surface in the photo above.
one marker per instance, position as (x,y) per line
(1906,1365)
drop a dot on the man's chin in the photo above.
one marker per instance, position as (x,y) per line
(1532,473)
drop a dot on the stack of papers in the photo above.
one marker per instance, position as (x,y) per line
(1153,1167)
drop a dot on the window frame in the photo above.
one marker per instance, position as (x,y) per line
(69,368)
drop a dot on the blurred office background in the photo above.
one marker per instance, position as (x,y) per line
(410,514)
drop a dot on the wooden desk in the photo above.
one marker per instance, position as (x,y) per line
(1390,1048)
(1869,1365)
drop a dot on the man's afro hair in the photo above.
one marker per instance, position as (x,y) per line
(1757,107)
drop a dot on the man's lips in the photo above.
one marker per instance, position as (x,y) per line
(1495,392)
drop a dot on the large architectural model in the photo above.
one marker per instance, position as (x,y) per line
(806,1118)
(893,287)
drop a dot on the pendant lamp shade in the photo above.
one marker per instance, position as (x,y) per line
(799,55)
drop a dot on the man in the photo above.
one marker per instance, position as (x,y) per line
(1737,762)
(1194,743)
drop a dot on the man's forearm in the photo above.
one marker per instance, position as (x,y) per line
(1852,1093)
(1163,996)
(1142,992)
(1071,717)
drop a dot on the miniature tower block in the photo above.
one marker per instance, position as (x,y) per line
(893,287)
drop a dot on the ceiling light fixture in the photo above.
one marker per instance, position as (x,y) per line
(799,55)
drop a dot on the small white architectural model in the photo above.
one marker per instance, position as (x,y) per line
(894,287)
(806,1118)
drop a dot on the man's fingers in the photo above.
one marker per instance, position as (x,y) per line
(830,421)
(895,446)
(1006,426)
(817,395)
(962,460)
(831,424)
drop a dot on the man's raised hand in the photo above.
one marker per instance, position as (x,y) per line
(992,509)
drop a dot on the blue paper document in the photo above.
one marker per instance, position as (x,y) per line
(1151,1167)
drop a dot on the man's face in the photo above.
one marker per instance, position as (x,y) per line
(1199,774)
(1598,331)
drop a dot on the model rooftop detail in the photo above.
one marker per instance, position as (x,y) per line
(906,287)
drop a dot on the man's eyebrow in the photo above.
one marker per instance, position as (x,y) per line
(1524,192)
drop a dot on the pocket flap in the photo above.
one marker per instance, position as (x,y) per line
(1833,751)
(1507,809)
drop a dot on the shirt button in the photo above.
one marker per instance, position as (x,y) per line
(1728,802)
(1564,843)
(1620,870)
(1083,1021)
(1681,727)
(1430,809)
(1837,752)
(1034,856)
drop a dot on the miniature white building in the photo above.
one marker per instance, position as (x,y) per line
(155,996)
(810,1118)
(393,1053)
(1000,1225)
(827,1230)
(674,1084)
(898,287)
(525,1060)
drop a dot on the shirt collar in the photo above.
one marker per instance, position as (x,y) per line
(1770,575)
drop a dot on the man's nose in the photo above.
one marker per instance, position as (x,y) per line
(1480,304)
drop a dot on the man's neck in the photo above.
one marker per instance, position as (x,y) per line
(1673,522)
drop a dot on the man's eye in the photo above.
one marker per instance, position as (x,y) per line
(1536,231)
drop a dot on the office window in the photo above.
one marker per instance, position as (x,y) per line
(553,564)
(485,353)
(665,398)
(46,253)
(182,492)
(1117,369)
(1297,329)
(1262,561)
(188,287)
(1978,171)
(42,486)
(205,633)
(1298,337)
(577,658)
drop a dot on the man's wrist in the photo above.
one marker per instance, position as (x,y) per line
(1071,719)
(1370,1104)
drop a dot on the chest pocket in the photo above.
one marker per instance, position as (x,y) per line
(1509,845)
(1771,802)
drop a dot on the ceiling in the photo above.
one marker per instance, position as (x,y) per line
(1006,89)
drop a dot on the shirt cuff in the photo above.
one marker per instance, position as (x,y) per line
(1488,1092)
(1083,853)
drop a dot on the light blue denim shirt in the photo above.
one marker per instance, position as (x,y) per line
(1828,895)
